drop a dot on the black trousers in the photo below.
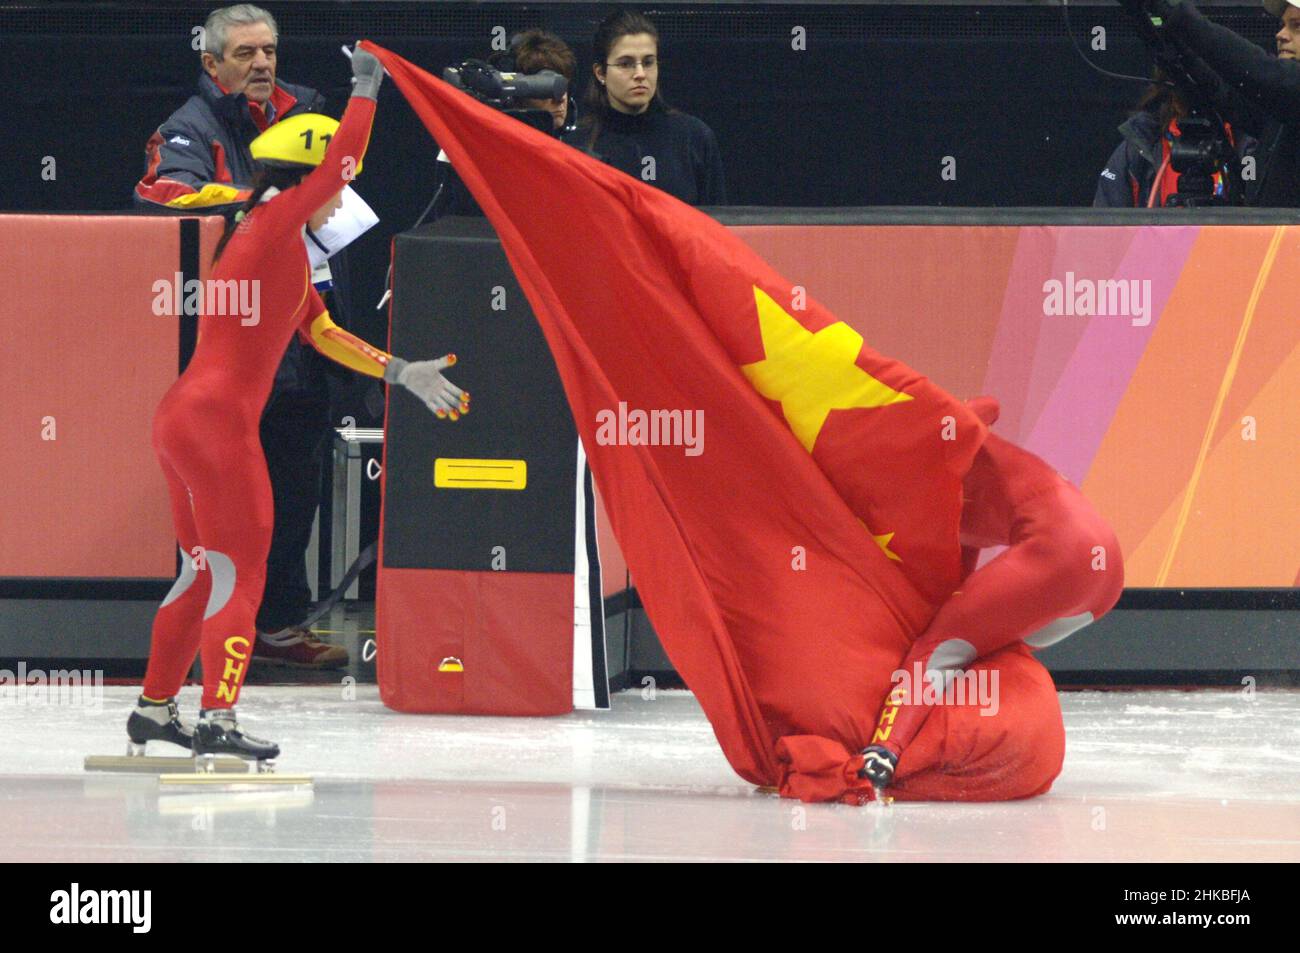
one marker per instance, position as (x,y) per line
(296,433)
(295,430)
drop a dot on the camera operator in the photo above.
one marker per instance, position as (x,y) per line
(531,52)
(1257,93)
(1139,173)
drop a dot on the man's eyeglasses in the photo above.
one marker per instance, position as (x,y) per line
(627,64)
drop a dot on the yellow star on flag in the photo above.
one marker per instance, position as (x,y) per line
(811,374)
(882,540)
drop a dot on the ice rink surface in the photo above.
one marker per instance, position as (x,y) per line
(1149,776)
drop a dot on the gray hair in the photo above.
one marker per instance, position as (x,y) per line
(220,21)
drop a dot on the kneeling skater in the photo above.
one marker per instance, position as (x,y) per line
(1062,570)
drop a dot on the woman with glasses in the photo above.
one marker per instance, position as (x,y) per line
(629,126)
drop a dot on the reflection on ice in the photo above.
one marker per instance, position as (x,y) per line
(1149,776)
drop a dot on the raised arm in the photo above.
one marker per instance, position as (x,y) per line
(1238,111)
(345,150)
(1258,76)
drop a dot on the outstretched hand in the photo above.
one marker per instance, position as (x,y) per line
(424,379)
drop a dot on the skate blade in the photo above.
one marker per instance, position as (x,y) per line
(262,802)
(150,764)
(202,781)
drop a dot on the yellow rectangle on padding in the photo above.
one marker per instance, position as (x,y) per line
(458,474)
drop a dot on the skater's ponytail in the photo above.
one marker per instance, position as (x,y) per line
(267,177)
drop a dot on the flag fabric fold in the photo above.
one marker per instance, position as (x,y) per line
(818,769)
(789,559)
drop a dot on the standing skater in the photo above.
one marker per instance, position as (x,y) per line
(206,427)
(199,160)
(1061,571)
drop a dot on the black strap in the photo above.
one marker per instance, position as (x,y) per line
(363,562)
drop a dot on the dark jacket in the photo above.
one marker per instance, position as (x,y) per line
(687,162)
(1259,94)
(1130,173)
(199,161)
(205,143)
(456,198)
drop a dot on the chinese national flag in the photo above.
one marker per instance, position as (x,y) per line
(786,567)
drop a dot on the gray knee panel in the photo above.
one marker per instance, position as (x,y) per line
(222,568)
(948,657)
(183,581)
(1054,632)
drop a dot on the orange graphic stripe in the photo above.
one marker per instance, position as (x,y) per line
(1225,385)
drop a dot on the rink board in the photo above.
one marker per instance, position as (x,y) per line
(488,594)
(1176,420)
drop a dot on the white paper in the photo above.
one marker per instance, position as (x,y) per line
(345,226)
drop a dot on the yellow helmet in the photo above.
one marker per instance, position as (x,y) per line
(297,142)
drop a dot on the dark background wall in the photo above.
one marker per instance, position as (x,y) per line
(863,116)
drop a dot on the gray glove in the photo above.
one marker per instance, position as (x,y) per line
(367,73)
(424,379)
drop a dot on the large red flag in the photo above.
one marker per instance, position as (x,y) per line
(787,558)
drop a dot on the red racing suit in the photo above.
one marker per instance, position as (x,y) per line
(206,435)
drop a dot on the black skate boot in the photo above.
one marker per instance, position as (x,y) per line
(156,721)
(218,733)
(878,766)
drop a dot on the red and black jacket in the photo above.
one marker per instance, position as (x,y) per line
(199,158)
(1130,173)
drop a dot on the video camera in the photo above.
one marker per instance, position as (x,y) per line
(507,90)
(1202,149)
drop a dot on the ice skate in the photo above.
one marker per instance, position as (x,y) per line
(156,721)
(218,733)
(878,766)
